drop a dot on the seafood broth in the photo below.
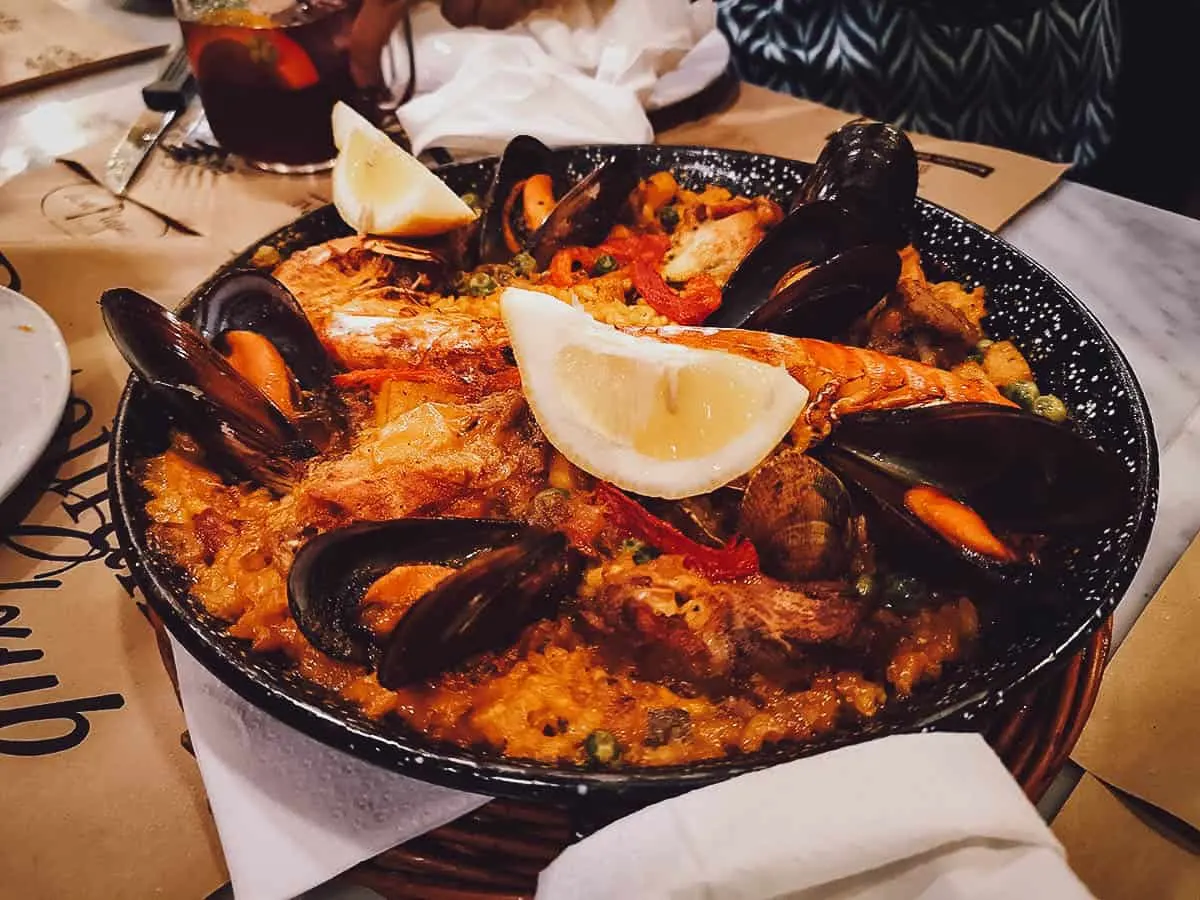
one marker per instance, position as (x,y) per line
(269,84)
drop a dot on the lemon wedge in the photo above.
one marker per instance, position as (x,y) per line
(653,418)
(345,120)
(380,189)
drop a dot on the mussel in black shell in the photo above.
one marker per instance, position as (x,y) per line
(532,207)
(870,168)
(586,213)
(948,482)
(252,300)
(813,275)
(824,299)
(520,197)
(249,380)
(240,428)
(508,576)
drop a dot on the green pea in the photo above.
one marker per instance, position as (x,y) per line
(480,284)
(604,265)
(1050,407)
(865,586)
(630,545)
(903,591)
(640,550)
(602,748)
(523,264)
(668,217)
(645,553)
(1024,393)
(982,346)
(471,199)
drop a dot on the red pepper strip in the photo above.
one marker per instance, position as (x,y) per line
(737,559)
(704,293)
(650,247)
(683,310)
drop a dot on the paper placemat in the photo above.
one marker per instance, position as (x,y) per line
(1144,733)
(42,42)
(102,799)
(1132,825)
(984,184)
(220,197)
(1120,852)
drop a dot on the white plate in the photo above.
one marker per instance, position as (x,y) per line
(35,381)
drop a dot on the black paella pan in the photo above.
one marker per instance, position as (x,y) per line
(1069,351)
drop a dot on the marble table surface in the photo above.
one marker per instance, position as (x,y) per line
(1136,267)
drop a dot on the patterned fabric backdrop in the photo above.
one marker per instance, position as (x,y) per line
(1042,84)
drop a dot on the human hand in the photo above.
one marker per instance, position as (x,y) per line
(487,13)
(378,19)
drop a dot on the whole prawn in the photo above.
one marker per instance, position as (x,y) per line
(840,379)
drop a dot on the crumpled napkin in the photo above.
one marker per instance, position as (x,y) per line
(291,812)
(579,71)
(930,816)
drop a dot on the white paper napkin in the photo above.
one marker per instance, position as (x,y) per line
(930,816)
(581,71)
(292,813)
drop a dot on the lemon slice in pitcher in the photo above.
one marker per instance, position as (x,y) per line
(380,189)
(653,418)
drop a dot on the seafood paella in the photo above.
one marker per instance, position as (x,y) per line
(431,474)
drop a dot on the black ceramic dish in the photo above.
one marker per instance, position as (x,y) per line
(1072,357)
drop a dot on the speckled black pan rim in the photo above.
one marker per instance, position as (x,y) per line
(271,687)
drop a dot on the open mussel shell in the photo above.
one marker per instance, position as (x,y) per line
(484,605)
(871,169)
(586,213)
(810,234)
(233,421)
(523,157)
(332,572)
(824,300)
(1020,472)
(252,300)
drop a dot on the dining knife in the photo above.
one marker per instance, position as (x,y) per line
(165,98)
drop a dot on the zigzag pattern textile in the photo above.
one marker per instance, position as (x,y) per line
(1041,84)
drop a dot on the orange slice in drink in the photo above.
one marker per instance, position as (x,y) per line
(249,42)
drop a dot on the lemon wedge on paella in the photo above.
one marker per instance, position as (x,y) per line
(378,188)
(656,419)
